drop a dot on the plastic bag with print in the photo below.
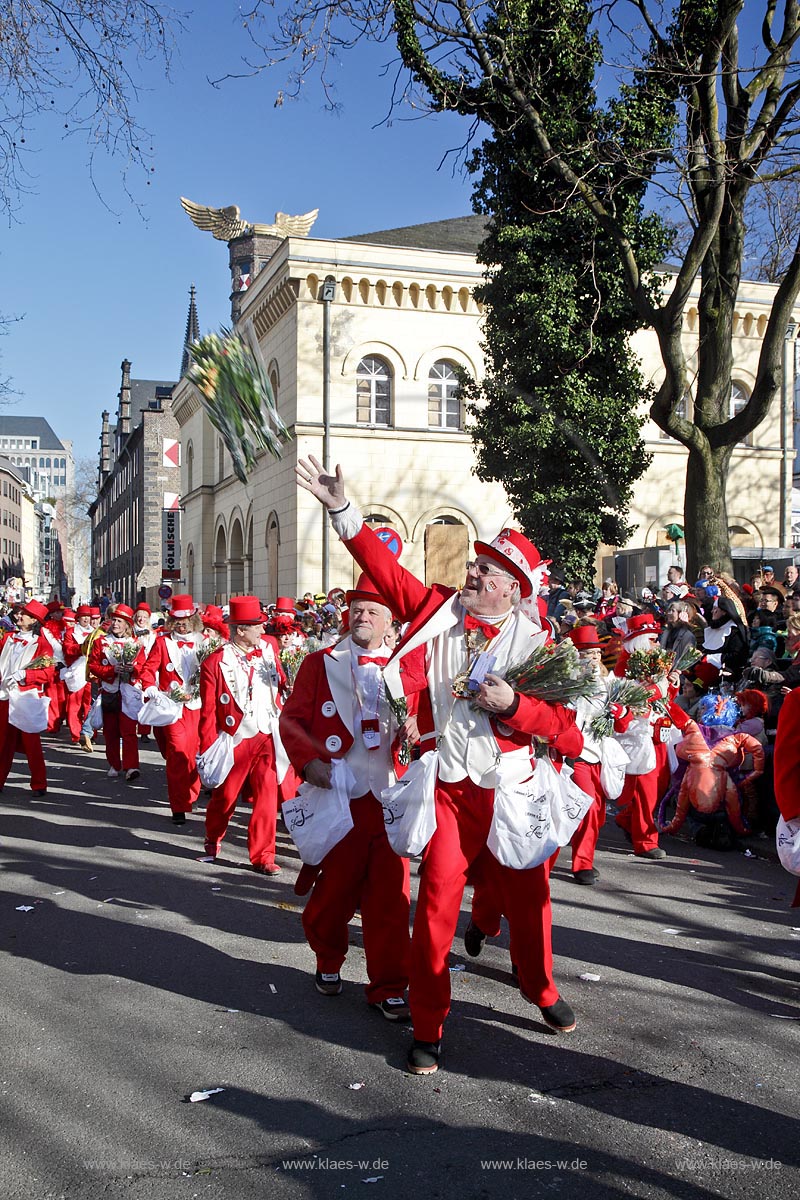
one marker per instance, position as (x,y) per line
(409,807)
(637,742)
(613,765)
(131,700)
(159,710)
(569,803)
(318,818)
(214,764)
(27,710)
(787,841)
(522,834)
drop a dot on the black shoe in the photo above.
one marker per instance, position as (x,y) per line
(179,818)
(588,878)
(423,1057)
(654,855)
(559,1016)
(40,792)
(473,939)
(394,1008)
(328,984)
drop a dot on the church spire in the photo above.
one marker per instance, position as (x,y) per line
(192,332)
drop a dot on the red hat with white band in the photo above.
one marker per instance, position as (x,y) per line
(638,624)
(585,637)
(182,606)
(120,610)
(512,551)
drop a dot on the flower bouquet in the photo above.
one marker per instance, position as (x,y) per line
(236,393)
(123,654)
(625,693)
(647,666)
(290,661)
(209,646)
(553,673)
(182,695)
(41,663)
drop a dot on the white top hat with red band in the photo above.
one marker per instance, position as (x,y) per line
(514,553)
(182,606)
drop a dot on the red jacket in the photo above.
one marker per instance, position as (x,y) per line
(105,670)
(40,677)
(219,711)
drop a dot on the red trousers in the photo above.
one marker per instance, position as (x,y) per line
(463,815)
(254,765)
(584,839)
(362,871)
(12,740)
(638,802)
(78,704)
(117,727)
(179,748)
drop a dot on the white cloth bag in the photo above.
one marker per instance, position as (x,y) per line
(637,742)
(613,764)
(160,710)
(27,710)
(409,807)
(214,764)
(569,803)
(318,818)
(131,700)
(787,841)
(74,676)
(521,834)
(96,713)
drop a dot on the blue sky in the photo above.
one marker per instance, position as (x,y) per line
(95,282)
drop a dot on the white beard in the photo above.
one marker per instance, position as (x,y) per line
(643,642)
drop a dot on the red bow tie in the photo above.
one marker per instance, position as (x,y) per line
(253,654)
(183,645)
(364,660)
(489,631)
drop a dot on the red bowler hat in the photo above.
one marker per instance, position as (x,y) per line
(639,624)
(84,610)
(182,606)
(514,553)
(142,607)
(365,589)
(245,610)
(585,637)
(121,610)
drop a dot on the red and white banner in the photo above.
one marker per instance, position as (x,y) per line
(172,453)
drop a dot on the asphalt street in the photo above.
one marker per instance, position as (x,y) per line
(135,975)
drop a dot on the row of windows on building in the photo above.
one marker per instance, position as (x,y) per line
(10,518)
(11,548)
(12,491)
(375,388)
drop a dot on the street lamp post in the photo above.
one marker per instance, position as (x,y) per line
(327,296)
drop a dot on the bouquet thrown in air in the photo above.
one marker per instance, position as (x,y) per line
(553,673)
(236,393)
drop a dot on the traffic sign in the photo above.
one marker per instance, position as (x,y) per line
(391,540)
(165,591)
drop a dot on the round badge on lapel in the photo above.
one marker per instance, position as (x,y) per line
(224,698)
(333,743)
(230,721)
(172,667)
(329,709)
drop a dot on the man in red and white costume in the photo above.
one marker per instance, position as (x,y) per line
(146,635)
(338,710)
(78,700)
(17,650)
(105,665)
(472,734)
(641,793)
(172,665)
(240,688)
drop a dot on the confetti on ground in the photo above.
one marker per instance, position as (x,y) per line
(204,1094)
(355,1087)
(273,989)
(216,889)
(674,932)
(24,908)
(749,854)
(372,1179)
(458,967)
(589,977)
(285,904)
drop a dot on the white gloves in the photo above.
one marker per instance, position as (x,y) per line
(150,693)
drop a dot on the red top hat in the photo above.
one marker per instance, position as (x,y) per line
(365,589)
(34,609)
(182,606)
(514,553)
(142,607)
(640,623)
(121,610)
(245,610)
(84,610)
(585,637)
(285,604)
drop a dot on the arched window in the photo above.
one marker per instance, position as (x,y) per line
(739,399)
(444,406)
(373,392)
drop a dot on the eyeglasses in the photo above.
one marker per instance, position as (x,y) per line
(484,569)
(706,574)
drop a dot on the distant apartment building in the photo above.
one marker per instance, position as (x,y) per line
(45,460)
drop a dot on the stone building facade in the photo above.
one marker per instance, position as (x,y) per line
(402,318)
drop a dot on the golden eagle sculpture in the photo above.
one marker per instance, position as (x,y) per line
(227,223)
